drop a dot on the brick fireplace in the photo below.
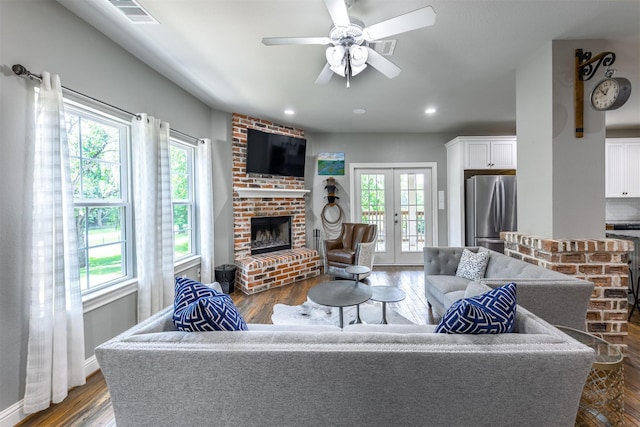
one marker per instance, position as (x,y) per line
(267,196)
(601,261)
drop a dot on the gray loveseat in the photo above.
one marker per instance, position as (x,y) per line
(557,298)
(364,375)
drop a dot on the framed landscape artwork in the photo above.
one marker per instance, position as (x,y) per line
(330,163)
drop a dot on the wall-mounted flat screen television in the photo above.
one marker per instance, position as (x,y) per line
(275,154)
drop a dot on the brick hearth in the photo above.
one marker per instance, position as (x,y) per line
(601,261)
(265,271)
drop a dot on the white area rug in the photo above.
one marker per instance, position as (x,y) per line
(310,313)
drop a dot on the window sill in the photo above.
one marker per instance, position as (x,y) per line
(184,264)
(108,295)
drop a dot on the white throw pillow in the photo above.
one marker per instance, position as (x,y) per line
(472,265)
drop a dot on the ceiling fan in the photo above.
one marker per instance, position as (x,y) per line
(349,52)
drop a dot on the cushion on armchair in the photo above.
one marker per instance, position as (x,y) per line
(342,250)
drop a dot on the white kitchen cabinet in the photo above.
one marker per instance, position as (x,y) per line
(490,153)
(622,167)
(472,152)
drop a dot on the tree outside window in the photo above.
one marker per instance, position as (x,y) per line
(98,157)
(182,198)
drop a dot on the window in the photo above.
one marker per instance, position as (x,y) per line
(182,198)
(98,151)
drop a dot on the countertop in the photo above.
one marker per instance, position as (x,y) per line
(630,234)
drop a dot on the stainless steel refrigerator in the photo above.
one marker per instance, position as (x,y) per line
(490,208)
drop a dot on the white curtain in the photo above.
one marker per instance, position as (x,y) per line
(153,214)
(205,209)
(55,358)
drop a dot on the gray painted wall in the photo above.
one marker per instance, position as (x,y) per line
(534,124)
(579,163)
(371,148)
(560,177)
(87,62)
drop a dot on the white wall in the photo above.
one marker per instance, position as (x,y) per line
(44,36)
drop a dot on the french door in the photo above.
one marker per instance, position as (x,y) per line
(399,200)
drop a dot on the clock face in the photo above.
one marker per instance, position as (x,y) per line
(605,93)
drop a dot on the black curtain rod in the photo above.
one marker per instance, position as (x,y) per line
(22,71)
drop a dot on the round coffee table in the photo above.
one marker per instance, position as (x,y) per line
(385,294)
(340,293)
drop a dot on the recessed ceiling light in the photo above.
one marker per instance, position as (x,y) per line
(430,111)
(289,112)
(359,111)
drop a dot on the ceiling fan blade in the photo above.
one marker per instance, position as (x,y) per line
(401,24)
(338,12)
(382,64)
(277,41)
(325,75)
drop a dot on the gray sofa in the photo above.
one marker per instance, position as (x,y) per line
(557,298)
(369,375)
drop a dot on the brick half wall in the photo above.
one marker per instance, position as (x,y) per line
(601,261)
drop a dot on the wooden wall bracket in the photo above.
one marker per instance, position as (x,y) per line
(585,68)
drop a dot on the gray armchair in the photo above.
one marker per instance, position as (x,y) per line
(354,246)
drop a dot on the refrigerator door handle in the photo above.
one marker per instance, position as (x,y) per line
(502,206)
(495,207)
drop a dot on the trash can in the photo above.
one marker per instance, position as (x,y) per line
(226,275)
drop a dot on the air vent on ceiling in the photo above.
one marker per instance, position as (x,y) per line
(133,11)
(383,47)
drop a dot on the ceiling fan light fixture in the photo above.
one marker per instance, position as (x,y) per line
(335,56)
(358,55)
(339,70)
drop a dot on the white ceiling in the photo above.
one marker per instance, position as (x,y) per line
(464,65)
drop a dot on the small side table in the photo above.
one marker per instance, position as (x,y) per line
(357,271)
(602,400)
(385,294)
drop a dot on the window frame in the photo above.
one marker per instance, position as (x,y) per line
(102,116)
(191,200)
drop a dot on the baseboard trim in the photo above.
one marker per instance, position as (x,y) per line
(91,365)
(13,414)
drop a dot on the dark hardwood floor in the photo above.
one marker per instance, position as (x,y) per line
(90,405)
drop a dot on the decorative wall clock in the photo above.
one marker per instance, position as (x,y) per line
(610,93)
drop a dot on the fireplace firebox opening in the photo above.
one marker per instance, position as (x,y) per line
(270,234)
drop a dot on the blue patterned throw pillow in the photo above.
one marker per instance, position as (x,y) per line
(199,308)
(472,265)
(493,312)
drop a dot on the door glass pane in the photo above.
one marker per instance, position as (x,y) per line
(372,202)
(412,211)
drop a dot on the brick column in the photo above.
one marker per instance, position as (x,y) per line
(265,271)
(601,261)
